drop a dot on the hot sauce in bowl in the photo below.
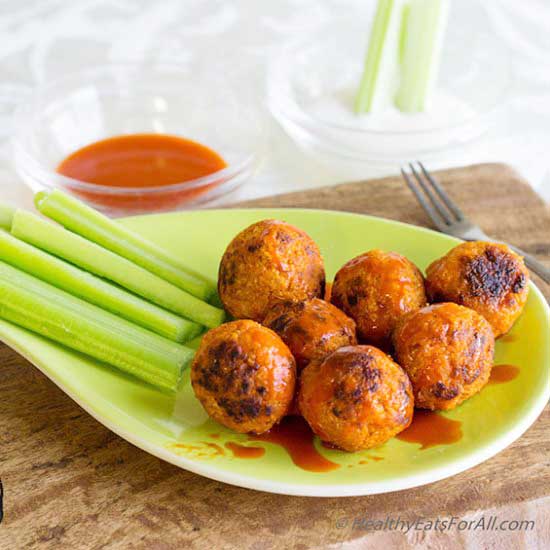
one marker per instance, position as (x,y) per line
(141,160)
(167,169)
(90,122)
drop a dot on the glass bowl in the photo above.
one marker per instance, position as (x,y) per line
(312,83)
(102,102)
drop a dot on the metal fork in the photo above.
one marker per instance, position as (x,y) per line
(448,218)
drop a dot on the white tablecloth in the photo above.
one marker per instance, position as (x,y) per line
(43,39)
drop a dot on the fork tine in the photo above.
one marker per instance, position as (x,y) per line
(434,200)
(428,208)
(449,203)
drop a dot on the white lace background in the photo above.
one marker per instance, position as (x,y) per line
(43,39)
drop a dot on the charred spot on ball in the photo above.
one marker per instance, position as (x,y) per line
(227,273)
(441,391)
(280,323)
(519,284)
(253,247)
(372,377)
(283,237)
(491,274)
(241,409)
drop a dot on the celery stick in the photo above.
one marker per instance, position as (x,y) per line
(95,290)
(89,223)
(423,41)
(100,261)
(380,75)
(6,216)
(42,308)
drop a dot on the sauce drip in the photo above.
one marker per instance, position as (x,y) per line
(508,338)
(328,292)
(295,436)
(200,449)
(242,451)
(430,429)
(138,161)
(373,458)
(503,373)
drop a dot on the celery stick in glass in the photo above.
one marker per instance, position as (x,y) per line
(6,216)
(91,224)
(100,261)
(94,289)
(381,73)
(42,308)
(423,41)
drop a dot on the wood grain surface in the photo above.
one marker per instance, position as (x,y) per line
(70,483)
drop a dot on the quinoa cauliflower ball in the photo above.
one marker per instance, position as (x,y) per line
(376,289)
(356,398)
(269,262)
(447,351)
(312,329)
(487,277)
(244,375)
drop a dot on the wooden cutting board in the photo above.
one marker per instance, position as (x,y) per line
(70,483)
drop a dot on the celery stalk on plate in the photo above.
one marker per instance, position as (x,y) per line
(94,289)
(100,261)
(6,216)
(91,224)
(42,308)
(380,75)
(422,45)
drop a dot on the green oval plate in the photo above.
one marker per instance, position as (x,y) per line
(176,429)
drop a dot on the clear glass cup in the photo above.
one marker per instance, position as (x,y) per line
(101,102)
(312,83)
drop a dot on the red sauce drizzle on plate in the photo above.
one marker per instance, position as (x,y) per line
(503,373)
(371,458)
(430,429)
(296,437)
(242,451)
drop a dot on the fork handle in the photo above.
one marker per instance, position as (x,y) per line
(533,264)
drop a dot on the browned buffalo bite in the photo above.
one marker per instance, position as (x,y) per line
(244,375)
(487,277)
(356,398)
(376,289)
(447,351)
(269,262)
(311,329)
